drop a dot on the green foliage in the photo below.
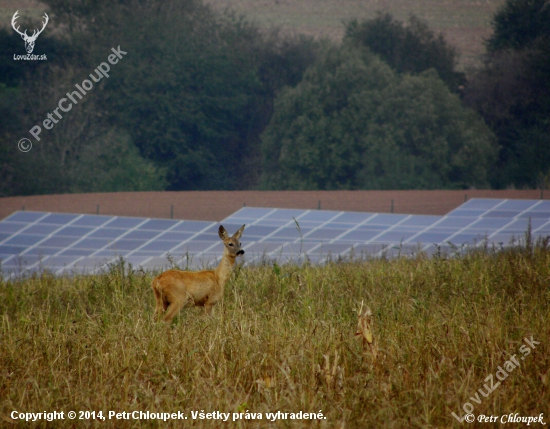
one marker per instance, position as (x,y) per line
(193,94)
(196,88)
(352,123)
(193,100)
(109,162)
(519,24)
(113,163)
(512,92)
(411,48)
(82,153)
(10,98)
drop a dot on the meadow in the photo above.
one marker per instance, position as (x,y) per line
(284,339)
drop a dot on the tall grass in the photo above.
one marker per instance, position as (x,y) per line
(284,340)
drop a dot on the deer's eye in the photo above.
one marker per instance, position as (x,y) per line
(230,244)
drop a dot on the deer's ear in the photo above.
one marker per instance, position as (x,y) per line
(238,234)
(222,233)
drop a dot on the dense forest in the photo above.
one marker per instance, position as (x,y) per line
(172,95)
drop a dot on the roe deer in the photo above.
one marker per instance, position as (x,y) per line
(174,288)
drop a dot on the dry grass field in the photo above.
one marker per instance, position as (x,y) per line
(444,337)
(284,340)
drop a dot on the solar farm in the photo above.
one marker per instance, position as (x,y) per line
(77,243)
(418,337)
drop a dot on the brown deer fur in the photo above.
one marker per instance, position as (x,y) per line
(175,288)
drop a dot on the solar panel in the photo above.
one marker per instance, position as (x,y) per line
(520,205)
(481,203)
(60,242)
(421,220)
(25,217)
(466,213)
(489,224)
(502,213)
(319,235)
(57,218)
(91,220)
(11,227)
(534,215)
(432,237)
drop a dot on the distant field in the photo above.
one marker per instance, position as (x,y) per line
(465,23)
(28,9)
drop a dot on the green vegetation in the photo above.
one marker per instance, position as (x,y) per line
(284,340)
(512,93)
(193,94)
(353,123)
(411,48)
(520,24)
(208,100)
(464,23)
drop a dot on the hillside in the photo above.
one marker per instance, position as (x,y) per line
(464,23)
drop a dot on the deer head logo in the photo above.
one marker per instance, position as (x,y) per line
(29,40)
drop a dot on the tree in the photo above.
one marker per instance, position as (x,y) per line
(81,153)
(112,163)
(411,48)
(196,88)
(353,123)
(520,24)
(512,92)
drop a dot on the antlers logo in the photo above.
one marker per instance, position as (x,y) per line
(29,40)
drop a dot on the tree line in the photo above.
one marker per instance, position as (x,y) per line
(207,100)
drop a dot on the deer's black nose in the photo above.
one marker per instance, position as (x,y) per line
(240,252)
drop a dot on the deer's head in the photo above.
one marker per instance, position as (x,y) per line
(29,40)
(232,244)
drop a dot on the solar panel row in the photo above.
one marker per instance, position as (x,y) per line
(32,241)
(320,235)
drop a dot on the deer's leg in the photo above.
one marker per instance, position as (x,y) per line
(208,309)
(159,303)
(173,309)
